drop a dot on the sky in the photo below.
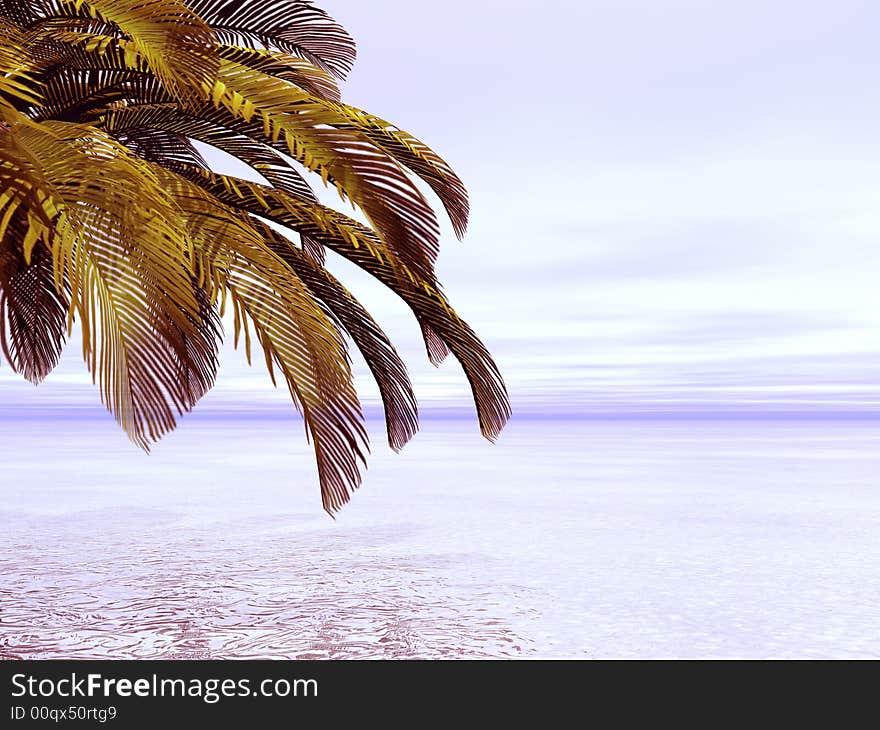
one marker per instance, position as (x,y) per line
(675,204)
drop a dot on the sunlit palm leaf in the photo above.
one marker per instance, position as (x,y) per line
(16,80)
(361,246)
(294,70)
(296,335)
(263,109)
(389,371)
(115,235)
(110,218)
(178,45)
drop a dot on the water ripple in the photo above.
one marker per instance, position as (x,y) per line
(250,595)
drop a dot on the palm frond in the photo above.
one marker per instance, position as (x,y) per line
(389,371)
(262,108)
(110,217)
(296,335)
(115,235)
(363,247)
(16,80)
(295,26)
(163,146)
(33,312)
(291,69)
(178,46)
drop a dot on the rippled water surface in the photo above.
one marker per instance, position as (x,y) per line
(575,539)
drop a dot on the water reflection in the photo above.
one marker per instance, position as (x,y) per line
(114,583)
(567,539)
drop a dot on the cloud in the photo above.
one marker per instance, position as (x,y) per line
(672,199)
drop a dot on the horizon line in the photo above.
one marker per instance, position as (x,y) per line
(626,412)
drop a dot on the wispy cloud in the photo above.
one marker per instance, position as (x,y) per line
(674,202)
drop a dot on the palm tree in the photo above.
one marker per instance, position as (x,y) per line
(110,216)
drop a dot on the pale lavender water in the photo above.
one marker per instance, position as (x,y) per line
(567,539)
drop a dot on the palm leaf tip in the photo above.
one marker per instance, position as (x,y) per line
(110,217)
(295,26)
(33,313)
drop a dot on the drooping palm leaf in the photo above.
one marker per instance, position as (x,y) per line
(270,110)
(363,247)
(398,398)
(110,218)
(117,237)
(295,333)
(295,26)
(33,312)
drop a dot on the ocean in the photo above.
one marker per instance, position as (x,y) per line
(577,538)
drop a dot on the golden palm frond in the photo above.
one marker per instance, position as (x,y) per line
(111,217)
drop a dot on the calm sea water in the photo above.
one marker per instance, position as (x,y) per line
(566,539)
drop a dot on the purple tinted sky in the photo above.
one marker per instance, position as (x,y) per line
(673,201)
